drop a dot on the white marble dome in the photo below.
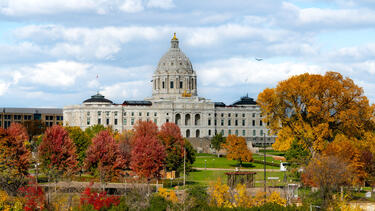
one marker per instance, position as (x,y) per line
(174,76)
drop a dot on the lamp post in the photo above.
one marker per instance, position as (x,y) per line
(264,164)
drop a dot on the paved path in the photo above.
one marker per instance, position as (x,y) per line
(223,169)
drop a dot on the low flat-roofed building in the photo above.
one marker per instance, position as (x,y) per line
(50,116)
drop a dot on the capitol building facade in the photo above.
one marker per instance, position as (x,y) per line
(174,99)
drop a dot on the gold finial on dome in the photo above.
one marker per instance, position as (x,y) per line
(174,37)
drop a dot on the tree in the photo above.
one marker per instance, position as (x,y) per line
(297,156)
(217,141)
(57,153)
(92,131)
(34,129)
(81,141)
(328,173)
(189,157)
(313,109)
(103,157)
(148,153)
(237,149)
(124,140)
(15,157)
(170,136)
(145,128)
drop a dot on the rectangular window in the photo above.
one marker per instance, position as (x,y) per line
(243,132)
(222,115)
(107,121)
(236,122)
(261,132)
(99,121)
(236,115)
(167,120)
(228,122)
(222,122)
(229,115)
(99,113)
(229,132)
(17,117)
(124,113)
(155,121)
(132,113)
(209,132)
(1,116)
(163,84)
(209,121)
(115,121)
(61,117)
(132,122)
(88,121)
(140,114)
(243,115)
(155,114)
(243,122)
(107,113)
(222,132)
(253,122)
(125,123)
(254,132)
(88,113)
(171,84)
(148,114)
(181,84)
(58,118)
(260,123)
(236,132)
(253,115)
(215,122)
(115,113)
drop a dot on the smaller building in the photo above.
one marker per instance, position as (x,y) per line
(50,116)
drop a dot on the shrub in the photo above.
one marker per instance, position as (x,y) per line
(98,200)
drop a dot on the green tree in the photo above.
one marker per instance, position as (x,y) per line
(81,141)
(217,141)
(297,156)
(92,131)
(189,157)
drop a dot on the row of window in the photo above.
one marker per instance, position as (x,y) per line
(28,117)
(107,113)
(236,122)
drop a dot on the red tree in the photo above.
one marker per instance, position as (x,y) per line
(171,137)
(145,128)
(148,153)
(15,157)
(57,152)
(104,157)
(148,156)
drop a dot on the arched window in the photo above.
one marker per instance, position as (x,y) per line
(197,133)
(178,119)
(187,133)
(187,119)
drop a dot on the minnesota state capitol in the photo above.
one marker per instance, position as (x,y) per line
(174,99)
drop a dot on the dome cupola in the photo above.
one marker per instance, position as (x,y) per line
(174,76)
(97,99)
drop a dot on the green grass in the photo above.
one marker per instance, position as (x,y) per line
(268,159)
(212,161)
(205,177)
(272,152)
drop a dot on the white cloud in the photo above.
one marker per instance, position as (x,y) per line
(54,74)
(164,4)
(355,53)
(132,6)
(27,7)
(127,90)
(291,15)
(233,71)
(3,87)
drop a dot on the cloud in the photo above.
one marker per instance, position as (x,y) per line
(3,87)
(132,6)
(127,90)
(353,54)
(53,74)
(164,4)
(322,18)
(28,7)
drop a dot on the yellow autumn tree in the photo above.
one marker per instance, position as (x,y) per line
(313,109)
(220,194)
(237,149)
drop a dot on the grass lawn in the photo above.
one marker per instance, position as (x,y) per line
(205,177)
(212,161)
(268,159)
(272,152)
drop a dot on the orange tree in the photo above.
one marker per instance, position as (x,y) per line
(312,109)
(15,157)
(237,149)
(57,153)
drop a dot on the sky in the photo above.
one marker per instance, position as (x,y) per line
(51,52)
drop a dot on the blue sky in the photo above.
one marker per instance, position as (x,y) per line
(51,51)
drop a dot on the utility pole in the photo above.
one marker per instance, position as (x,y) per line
(264,162)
